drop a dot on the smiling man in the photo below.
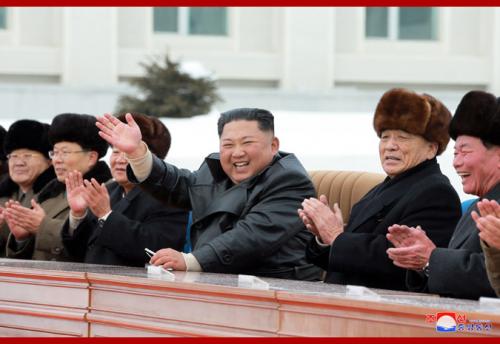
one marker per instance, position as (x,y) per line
(243,199)
(458,270)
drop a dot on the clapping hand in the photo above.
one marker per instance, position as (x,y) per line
(74,194)
(327,224)
(488,222)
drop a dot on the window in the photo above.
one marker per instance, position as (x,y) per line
(403,23)
(191,20)
(3,18)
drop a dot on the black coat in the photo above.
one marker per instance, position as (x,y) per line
(248,228)
(420,196)
(458,270)
(137,221)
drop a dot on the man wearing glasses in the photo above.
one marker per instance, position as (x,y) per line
(76,147)
(29,168)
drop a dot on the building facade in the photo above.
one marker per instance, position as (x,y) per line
(66,56)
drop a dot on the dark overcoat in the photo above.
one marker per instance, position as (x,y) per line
(248,228)
(458,270)
(137,221)
(420,196)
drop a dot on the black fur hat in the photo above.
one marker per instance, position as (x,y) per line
(2,137)
(79,129)
(478,115)
(154,133)
(418,114)
(28,134)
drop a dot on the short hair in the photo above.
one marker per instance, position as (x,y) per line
(264,118)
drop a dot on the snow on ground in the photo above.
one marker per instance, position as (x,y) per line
(321,140)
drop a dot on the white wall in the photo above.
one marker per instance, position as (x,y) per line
(302,53)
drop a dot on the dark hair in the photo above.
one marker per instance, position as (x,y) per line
(3,133)
(264,118)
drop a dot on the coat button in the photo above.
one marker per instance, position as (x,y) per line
(227,258)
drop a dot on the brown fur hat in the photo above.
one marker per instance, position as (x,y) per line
(418,114)
(154,133)
(478,115)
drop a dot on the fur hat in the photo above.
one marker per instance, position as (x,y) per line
(2,137)
(418,114)
(79,129)
(478,115)
(154,133)
(28,134)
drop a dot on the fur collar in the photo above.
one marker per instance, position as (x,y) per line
(8,187)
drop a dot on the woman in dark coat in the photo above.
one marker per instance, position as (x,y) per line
(123,220)
(413,129)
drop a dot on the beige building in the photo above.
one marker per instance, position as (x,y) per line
(76,59)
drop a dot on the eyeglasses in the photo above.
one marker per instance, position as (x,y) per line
(64,154)
(23,157)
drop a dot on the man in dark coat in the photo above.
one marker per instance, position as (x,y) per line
(123,219)
(458,270)
(412,130)
(243,199)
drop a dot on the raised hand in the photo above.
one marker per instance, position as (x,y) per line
(29,219)
(17,230)
(124,136)
(97,197)
(412,247)
(488,222)
(328,223)
(74,194)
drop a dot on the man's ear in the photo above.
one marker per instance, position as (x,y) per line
(275,145)
(94,158)
(433,149)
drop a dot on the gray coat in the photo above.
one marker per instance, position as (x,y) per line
(248,228)
(459,270)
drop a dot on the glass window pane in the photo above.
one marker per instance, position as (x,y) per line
(165,19)
(376,22)
(3,18)
(417,23)
(208,21)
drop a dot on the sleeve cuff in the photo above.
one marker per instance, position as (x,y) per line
(143,165)
(104,218)
(74,221)
(320,244)
(191,262)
